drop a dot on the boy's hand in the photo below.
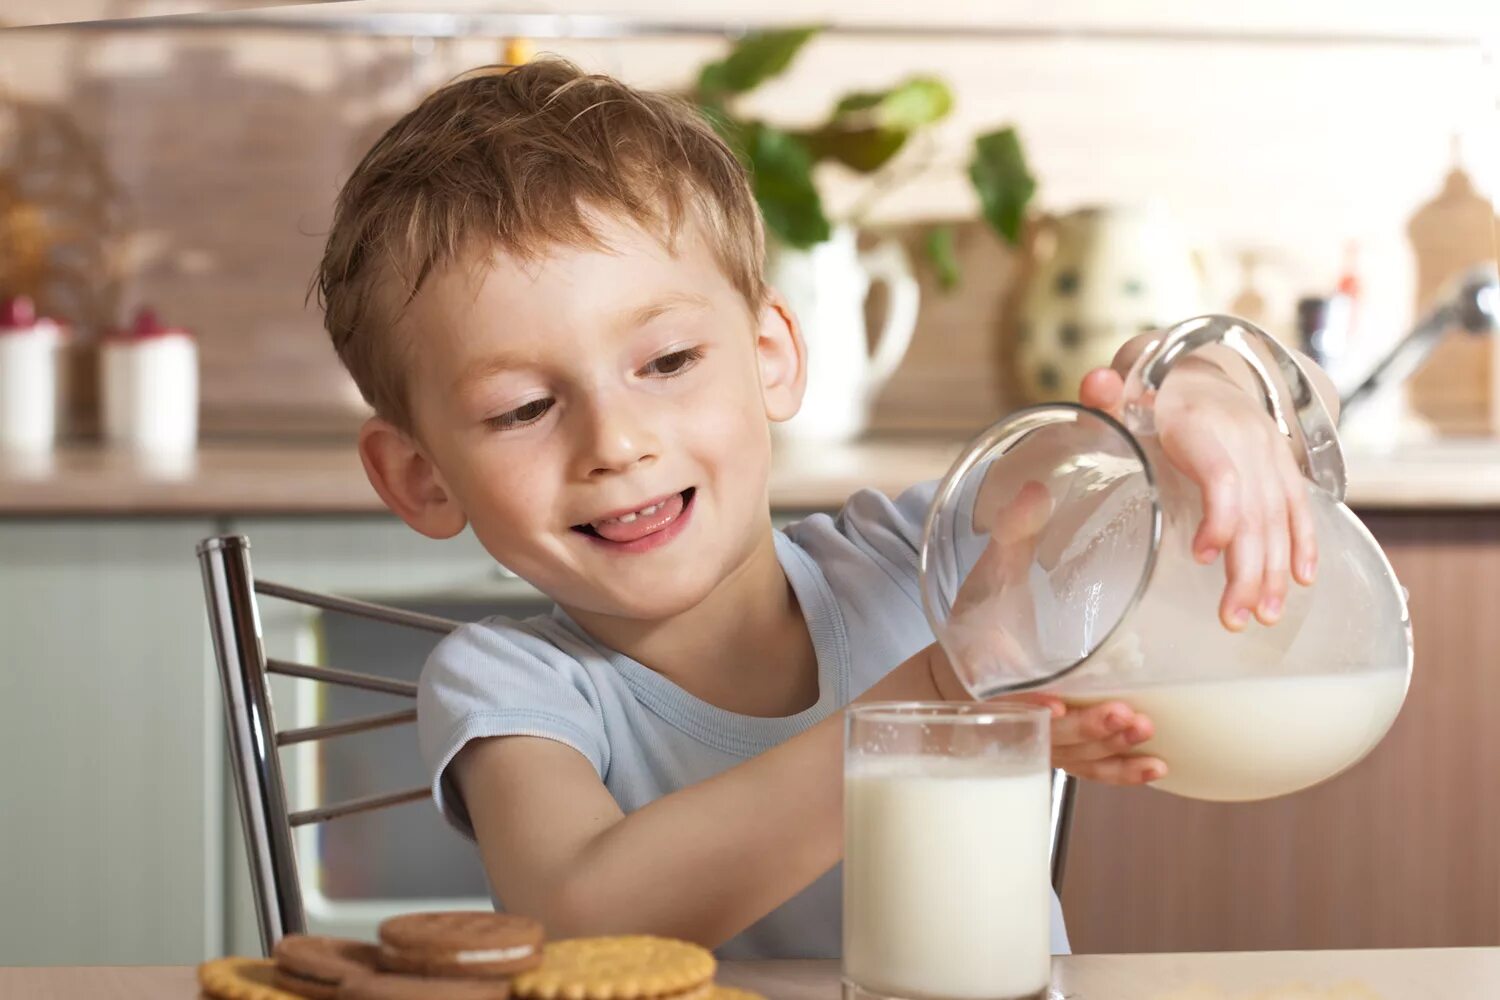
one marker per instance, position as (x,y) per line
(1098,742)
(1094,742)
(1255,501)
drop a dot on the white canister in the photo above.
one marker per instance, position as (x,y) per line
(28,378)
(149,390)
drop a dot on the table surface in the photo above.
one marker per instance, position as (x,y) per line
(1422,974)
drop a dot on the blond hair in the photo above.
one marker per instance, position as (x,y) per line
(516,160)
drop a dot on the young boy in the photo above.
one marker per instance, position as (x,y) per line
(549,287)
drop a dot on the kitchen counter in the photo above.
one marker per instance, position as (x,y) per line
(318,479)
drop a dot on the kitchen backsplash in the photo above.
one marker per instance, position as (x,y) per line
(207,163)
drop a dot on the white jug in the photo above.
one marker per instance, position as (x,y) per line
(826,287)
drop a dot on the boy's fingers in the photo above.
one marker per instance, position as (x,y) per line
(1304,556)
(1103,389)
(1245,567)
(1223,507)
(1023,519)
(1278,543)
(1119,744)
(1122,770)
(1089,725)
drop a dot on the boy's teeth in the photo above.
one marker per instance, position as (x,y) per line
(643,512)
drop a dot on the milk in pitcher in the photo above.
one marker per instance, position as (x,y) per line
(1259,737)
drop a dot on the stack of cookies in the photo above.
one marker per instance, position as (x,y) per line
(469,956)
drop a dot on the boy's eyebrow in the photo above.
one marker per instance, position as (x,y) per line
(639,316)
(646,313)
(490,366)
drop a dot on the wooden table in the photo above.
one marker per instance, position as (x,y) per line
(1424,974)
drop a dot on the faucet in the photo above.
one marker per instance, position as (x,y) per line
(1471,302)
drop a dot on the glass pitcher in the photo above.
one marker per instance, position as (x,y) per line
(1086,586)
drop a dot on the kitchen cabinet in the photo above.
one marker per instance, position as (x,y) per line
(111,834)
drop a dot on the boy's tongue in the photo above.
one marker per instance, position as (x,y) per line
(643,525)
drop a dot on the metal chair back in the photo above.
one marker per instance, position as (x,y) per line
(230,589)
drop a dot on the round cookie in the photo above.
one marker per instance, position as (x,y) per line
(460,944)
(313,966)
(241,979)
(393,986)
(617,968)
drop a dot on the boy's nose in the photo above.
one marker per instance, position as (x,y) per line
(619,439)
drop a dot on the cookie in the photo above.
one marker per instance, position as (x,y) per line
(313,966)
(241,979)
(617,968)
(394,986)
(461,944)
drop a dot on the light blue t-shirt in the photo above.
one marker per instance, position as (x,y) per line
(855,578)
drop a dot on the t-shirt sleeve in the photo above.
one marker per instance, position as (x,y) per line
(890,530)
(497,678)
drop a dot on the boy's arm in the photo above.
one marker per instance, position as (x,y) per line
(702,863)
(706,862)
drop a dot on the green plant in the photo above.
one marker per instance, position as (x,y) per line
(864,131)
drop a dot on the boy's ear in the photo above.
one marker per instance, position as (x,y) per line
(782,355)
(408,482)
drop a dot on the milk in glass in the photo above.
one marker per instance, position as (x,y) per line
(946,877)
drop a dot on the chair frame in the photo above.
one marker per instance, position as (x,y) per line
(230,589)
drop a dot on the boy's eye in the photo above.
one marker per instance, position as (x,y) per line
(521,415)
(675,363)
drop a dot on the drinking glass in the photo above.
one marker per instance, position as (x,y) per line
(946,851)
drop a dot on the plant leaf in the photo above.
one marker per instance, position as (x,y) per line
(865,149)
(868,128)
(911,104)
(781,176)
(1005,186)
(754,59)
(940,252)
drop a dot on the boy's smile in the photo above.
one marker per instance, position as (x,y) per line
(640,529)
(600,417)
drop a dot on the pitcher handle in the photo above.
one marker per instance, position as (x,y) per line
(888,263)
(1296,407)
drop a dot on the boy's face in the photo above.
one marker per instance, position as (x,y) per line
(599,417)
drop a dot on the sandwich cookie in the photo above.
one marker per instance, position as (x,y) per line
(313,966)
(461,944)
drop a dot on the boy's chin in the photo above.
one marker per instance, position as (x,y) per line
(656,605)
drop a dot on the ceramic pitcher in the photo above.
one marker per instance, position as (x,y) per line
(826,287)
(1100,276)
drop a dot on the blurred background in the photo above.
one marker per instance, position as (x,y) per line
(975,202)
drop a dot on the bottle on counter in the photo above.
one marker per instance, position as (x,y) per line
(149,388)
(28,377)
